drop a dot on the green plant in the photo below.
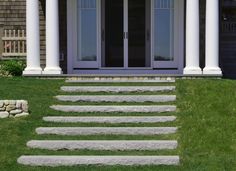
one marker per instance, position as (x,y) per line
(13,67)
(3,73)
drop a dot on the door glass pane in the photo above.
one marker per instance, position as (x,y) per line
(137,33)
(114,28)
(163,30)
(87,30)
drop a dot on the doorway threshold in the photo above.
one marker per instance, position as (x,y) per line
(127,72)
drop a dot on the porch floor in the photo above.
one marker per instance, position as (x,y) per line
(126,76)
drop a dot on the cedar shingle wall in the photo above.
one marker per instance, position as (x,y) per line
(13,16)
(42,32)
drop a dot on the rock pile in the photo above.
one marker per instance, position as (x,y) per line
(13,108)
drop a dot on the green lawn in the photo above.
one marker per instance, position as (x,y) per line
(206,120)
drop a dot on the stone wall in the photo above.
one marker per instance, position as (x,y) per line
(13,108)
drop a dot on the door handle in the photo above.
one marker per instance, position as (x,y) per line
(126,35)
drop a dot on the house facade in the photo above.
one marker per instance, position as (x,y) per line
(183,37)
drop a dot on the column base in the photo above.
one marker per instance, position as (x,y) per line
(52,71)
(32,71)
(212,71)
(192,71)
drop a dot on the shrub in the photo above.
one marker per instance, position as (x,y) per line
(12,67)
(3,73)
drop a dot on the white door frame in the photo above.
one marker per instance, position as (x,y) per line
(72,31)
(178,38)
(72,37)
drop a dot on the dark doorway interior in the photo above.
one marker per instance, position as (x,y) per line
(114,26)
(137,33)
(114,33)
(228,39)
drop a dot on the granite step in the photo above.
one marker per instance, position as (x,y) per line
(121,79)
(56,161)
(74,131)
(112,120)
(109,109)
(117,98)
(102,145)
(117,89)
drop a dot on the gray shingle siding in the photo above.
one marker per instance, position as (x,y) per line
(12,14)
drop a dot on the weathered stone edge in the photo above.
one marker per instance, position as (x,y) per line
(127,109)
(141,119)
(56,161)
(117,88)
(73,131)
(102,145)
(116,98)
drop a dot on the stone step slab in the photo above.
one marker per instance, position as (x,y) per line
(56,161)
(74,131)
(102,145)
(117,89)
(122,98)
(112,120)
(109,109)
(121,79)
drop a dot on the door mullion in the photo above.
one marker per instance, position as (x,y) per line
(126,41)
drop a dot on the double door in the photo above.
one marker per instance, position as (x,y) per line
(126,34)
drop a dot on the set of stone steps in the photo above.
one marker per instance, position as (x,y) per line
(110,110)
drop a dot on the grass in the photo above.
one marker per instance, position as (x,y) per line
(206,120)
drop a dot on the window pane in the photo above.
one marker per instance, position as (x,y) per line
(87,29)
(164,30)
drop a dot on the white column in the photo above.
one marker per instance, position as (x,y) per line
(52,38)
(212,38)
(192,38)
(33,38)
